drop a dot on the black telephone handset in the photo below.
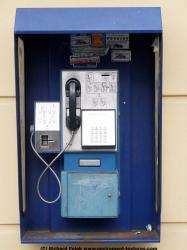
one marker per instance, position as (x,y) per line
(73,90)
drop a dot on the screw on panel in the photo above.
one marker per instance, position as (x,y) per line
(109,195)
(137,232)
(149,227)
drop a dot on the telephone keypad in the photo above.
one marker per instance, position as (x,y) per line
(98,135)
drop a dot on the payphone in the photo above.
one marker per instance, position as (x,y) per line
(90,189)
(88,122)
(88,100)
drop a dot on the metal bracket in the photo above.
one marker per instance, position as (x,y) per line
(156,50)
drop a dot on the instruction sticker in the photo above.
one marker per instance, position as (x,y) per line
(80,40)
(117,40)
(47,116)
(121,56)
(89,51)
(98,40)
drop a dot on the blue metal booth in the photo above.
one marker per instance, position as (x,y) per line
(88,101)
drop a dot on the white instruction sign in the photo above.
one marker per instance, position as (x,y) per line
(47,116)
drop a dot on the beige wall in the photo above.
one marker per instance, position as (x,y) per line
(174,212)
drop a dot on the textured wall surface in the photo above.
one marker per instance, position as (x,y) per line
(174,199)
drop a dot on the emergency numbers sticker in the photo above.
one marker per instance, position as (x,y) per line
(84,60)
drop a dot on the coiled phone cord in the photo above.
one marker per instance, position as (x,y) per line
(48,166)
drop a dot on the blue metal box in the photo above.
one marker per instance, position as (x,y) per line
(89,194)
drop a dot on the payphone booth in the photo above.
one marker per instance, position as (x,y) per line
(88,98)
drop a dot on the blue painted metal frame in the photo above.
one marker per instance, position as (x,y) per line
(73,20)
(42,31)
